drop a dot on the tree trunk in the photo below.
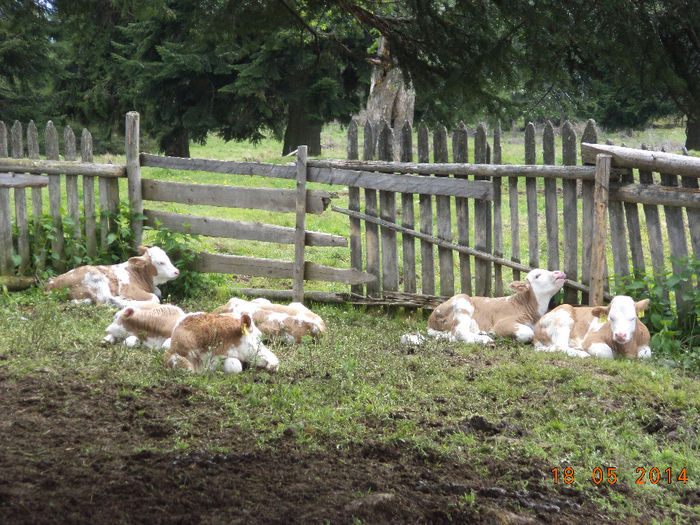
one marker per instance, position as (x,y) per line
(301,131)
(176,143)
(389,96)
(692,134)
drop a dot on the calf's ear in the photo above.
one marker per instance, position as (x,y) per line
(600,310)
(246,320)
(142,250)
(128,312)
(642,305)
(519,286)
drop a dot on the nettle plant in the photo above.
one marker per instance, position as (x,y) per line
(674,324)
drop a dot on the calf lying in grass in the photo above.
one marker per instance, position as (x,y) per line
(286,322)
(469,319)
(131,283)
(601,331)
(200,340)
(149,324)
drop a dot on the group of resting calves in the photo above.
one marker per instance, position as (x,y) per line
(232,334)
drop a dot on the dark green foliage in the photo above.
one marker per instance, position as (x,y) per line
(675,330)
(181,248)
(24,59)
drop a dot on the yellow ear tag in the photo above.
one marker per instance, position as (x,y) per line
(603,318)
(244,330)
(640,314)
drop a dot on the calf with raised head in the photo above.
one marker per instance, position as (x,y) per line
(286,322)
(469,319)
(150,324)
(600,331)
(200,340)
(130,283)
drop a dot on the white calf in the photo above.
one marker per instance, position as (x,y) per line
(464,318)
(151,324)
(601,331)
(130,283)
(200,339)
(287,322)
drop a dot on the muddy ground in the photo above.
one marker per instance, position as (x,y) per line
(70,453)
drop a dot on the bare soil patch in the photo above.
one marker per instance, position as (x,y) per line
(73,452)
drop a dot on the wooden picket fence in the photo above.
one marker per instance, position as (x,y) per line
(19,174)
(573,230)
(460,196)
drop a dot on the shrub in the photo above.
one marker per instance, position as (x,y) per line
(673,317)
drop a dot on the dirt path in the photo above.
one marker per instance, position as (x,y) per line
(71,453)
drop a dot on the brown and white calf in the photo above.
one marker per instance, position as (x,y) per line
(286,322)
(130,283)
(150,324)
(469,319)
(600,331)
(199,340)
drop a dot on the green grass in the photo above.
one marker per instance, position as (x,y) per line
(358,385)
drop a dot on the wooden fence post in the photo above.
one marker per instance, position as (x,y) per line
(590,135)
(88,195)
(569,155)
(72,200)
(531,198)
(460,154)
(497,213)
(133,173)
(387,201)
(21,216)
(5,253)
(300,233)
(57,242)
(37,199)
(599,234)
(371,230)
(482,221)
(425,203)
(354,204)
(550,200)
(444,218)
(407,214)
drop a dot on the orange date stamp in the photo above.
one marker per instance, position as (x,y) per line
(598,475)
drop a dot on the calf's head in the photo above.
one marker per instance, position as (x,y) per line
(164,269)
(543,283)
(251,348)
(622,316)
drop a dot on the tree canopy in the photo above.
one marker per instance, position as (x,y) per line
(243,69)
